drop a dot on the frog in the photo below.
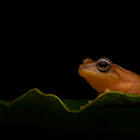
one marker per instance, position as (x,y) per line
(104,76)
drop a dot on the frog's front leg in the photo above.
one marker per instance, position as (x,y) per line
(107,90)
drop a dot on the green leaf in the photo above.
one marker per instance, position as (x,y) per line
(112,112)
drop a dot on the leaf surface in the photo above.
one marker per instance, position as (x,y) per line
(110,112)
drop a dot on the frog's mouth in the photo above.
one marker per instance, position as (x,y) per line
(89,69)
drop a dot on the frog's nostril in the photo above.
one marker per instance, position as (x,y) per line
(84,60)
(88,60)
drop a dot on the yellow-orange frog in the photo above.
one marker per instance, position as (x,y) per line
(104,76)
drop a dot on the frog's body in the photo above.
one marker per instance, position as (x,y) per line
(114,78)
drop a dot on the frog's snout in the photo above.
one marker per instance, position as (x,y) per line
(87,63)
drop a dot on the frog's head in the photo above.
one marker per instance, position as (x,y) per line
(99,74)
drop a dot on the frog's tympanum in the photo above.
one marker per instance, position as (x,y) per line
(104,76)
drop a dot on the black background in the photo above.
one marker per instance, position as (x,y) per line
(43,48)
(47,55)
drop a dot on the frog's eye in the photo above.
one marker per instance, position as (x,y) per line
(103,64)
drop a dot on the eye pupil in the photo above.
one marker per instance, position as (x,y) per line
(103,64)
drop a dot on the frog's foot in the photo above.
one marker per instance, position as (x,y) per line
(107,90)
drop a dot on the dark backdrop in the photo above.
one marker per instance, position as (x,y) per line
(46,53)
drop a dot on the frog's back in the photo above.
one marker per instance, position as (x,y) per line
(126,75)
